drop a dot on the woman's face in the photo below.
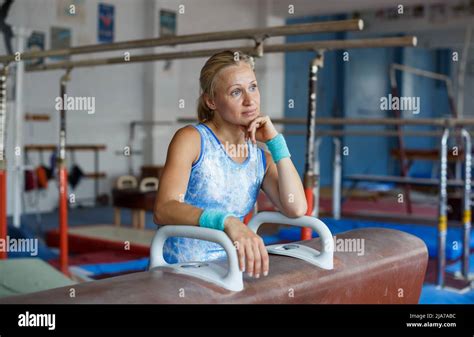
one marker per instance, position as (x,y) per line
(236,97)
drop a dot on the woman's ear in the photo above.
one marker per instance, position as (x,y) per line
(209,102)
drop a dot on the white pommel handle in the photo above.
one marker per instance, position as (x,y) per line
(231,280)
(323,259)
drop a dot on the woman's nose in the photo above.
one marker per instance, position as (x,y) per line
(248,98)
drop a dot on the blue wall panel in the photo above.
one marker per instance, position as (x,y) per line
(354,89)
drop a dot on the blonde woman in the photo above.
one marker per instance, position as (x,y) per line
(214,169)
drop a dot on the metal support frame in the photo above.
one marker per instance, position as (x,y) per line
(443,209)
(467,204)
(3,160)
(317,174)
(17,188)
(309,176)
(337,180)
(63,180)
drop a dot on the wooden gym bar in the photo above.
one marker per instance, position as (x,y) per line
(408,41)
(257,34)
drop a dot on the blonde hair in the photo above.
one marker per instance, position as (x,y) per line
(209,72)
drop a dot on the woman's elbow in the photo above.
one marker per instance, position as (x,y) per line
(162,213)
(157,218)
(297,211)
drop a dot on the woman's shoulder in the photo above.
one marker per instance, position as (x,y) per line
(187,140)
(188,132)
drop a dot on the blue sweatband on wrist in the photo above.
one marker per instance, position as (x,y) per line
(213,219)
(278,149)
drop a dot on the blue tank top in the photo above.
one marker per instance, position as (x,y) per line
(217,182)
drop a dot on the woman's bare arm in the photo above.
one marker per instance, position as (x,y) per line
(170,207)
(282,185)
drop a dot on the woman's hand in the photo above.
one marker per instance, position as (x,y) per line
(253,256)
(261,129)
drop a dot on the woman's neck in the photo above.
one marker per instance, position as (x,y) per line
(227,133)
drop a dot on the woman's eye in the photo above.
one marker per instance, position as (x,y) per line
(235,92)
(253,87)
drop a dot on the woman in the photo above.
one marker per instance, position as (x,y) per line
(214,170)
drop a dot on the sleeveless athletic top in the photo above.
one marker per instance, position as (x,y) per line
(217,182)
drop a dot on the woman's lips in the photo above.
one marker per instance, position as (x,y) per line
(249,113)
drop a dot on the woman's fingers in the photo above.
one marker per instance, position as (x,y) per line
(241,255)
(250,259)
(253,256)
(257,258)
(265,259)
(255,125)
(253,131)
(255,121)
